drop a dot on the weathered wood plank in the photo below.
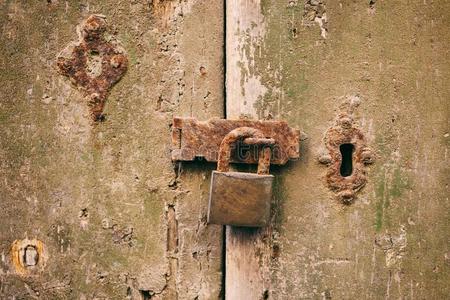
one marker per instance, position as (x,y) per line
(246,266)
(115,219)
(244,33)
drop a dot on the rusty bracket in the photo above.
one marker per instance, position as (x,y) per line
(196,139)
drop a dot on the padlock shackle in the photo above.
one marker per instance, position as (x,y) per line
(223,162)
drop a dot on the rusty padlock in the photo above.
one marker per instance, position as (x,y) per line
(236,198)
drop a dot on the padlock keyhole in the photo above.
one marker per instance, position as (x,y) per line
(347,159)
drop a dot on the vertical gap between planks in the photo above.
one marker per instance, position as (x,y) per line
(223,262)
(224,48)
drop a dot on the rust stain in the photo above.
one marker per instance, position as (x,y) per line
(345,132)
(192,138)
(19,259)
(93,46)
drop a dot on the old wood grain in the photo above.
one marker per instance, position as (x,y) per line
(246,266)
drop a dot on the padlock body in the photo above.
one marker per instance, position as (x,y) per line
(240,199)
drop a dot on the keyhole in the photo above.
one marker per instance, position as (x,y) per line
(347,159)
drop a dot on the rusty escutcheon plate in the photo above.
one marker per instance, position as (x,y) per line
(193,139)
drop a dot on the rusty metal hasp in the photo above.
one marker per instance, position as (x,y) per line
(196,139)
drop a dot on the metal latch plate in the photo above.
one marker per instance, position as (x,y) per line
(196,139)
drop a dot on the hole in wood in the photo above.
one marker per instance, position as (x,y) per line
(347,159)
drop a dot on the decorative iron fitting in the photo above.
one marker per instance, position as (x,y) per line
(94,64)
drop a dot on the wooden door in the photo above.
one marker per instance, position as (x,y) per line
(95,209)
